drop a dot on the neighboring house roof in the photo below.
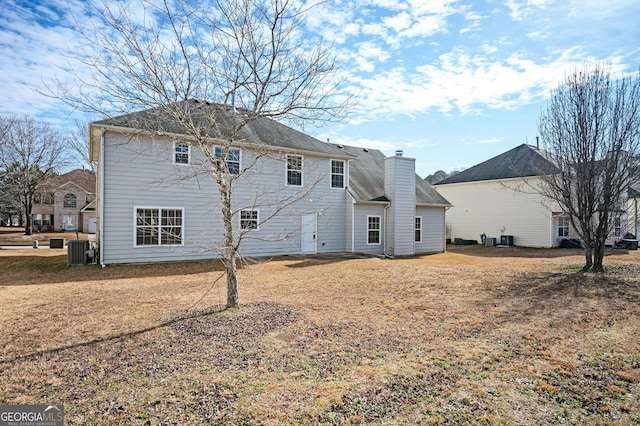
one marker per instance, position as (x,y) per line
(84,179)
(366,179)
(634,191)
(91,207)
(521,161)
(260,131)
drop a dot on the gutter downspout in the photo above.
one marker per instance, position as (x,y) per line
(101,200)
(635,205)
(384,247)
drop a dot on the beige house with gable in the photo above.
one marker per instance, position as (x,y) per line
(66,203)
(496,198)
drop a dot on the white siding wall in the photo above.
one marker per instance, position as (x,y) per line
(399,187)
(360,228)
(496,208)
(140,173)
(433,227)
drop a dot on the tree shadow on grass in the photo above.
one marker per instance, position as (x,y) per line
(325,258)
(114,338)
(565,299)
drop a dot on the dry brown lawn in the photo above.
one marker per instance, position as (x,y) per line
(481,336)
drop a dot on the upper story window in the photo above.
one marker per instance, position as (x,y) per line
(182,153)
(232,158)
(294,170)
(156,226)
(418,229)
(249,219)
(43,198)
(563,227)
(337,173)
(70,201)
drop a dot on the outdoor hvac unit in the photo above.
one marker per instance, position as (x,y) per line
(506,240)
(77,252)
(490,242)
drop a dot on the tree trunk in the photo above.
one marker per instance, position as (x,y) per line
(27,215)
(224,185)
(598,257)
(588,254)
(232,282)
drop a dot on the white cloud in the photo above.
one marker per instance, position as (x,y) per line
(489,141)
(398,22)
(460,82)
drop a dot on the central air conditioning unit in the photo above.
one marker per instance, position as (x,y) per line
(490,242)
(506,240)
(77,252)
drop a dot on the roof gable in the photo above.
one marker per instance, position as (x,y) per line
(83,179)
(521,161)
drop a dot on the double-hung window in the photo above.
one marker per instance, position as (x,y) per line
(337,173)
(418,230)
(231,156)
(294,170)
(249,219)
(159,226)
(373,229)
(182,153)
(563,227)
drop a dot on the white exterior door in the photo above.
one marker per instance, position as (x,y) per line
(92,225)
(308,233)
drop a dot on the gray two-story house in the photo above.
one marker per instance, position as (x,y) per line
(293,194)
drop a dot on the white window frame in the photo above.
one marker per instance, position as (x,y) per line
(71,196)
(417,228)
(217,153)
(246,220)
(158,227)
(288,169)
(564,224)
(379,230)
(39,219)
(176,153)
(343,174)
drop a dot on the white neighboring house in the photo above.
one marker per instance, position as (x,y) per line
(495,198)
(154,203)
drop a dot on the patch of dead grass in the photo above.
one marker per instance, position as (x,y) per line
(475,336)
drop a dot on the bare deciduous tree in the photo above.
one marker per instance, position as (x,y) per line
(78,146)
(247,58)
(591,133)
(31,152)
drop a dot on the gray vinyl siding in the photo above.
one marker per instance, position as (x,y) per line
(400,189)
(432,230)
(140,173)
(360,228)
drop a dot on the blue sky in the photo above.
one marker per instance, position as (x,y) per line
(451,83)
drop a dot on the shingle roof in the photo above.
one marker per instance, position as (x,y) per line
(261,131)
(85,179)
(521,161)
(366,179)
